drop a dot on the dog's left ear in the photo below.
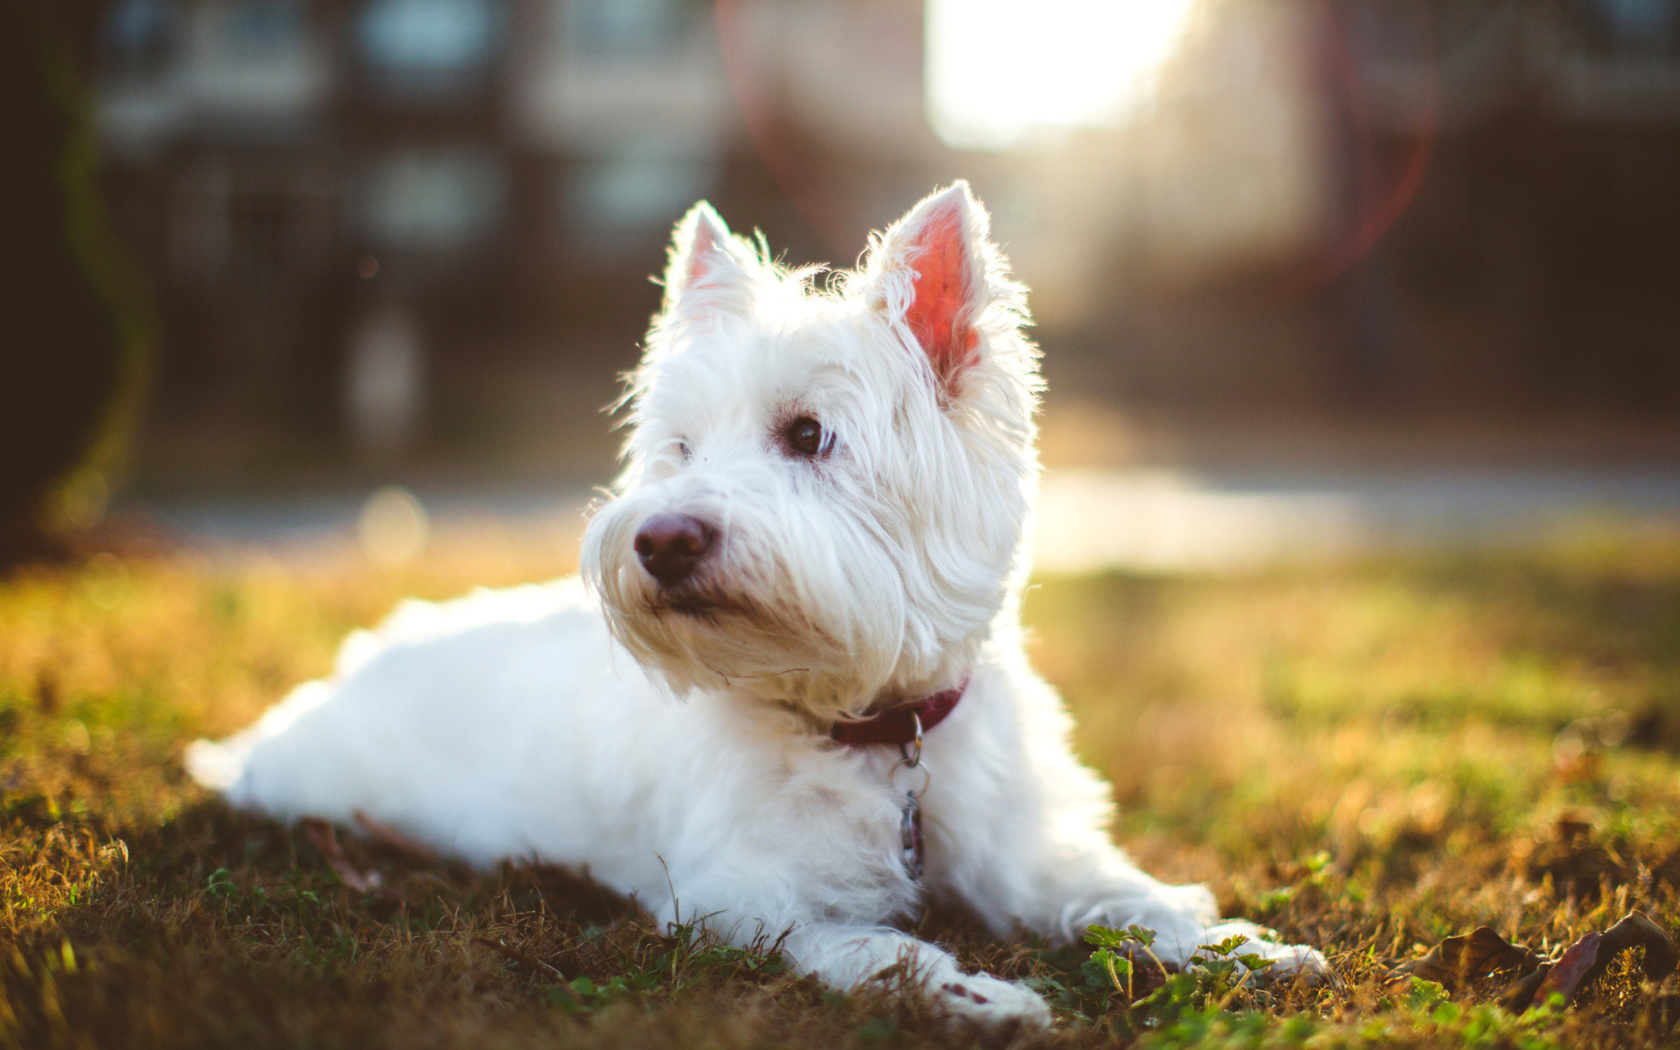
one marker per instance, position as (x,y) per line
(934,270)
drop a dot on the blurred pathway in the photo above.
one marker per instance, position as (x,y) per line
(1142,520)
(1168,520)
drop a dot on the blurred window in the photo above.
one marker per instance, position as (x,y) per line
(256,226)
(608,201)
(433,201)
(1642,21)
(429,37)
(1630,26)
(138,37)
(627,27)
(257,28)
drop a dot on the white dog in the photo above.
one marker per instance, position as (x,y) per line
(814,557)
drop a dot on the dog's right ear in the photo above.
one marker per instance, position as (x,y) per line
(710,268)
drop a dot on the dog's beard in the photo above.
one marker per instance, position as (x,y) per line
(821,630)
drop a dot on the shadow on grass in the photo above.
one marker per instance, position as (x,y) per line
(222,929)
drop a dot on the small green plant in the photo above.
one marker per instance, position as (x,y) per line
(882,1029)
(584,994)
(1109,969)
(686,958)
(1191,1002)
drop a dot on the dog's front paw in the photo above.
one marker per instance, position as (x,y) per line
(989,1000)
(1288,960)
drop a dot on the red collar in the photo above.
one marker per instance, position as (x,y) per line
(897,725)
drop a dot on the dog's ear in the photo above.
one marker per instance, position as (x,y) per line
(710,268)
(935,270)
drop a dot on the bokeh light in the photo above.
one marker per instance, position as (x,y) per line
(393,527)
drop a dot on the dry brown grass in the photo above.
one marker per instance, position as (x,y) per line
(1368,758)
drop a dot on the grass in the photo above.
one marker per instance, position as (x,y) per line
(1368,758)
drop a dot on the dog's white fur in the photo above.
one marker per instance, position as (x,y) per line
(545,721)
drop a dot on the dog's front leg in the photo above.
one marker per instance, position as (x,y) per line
(849,957)
(1060,885)
(1184,918)
(790,876)
(1025,842)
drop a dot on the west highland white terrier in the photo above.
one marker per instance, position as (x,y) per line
(788,694)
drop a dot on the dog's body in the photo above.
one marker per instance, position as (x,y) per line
(823,515)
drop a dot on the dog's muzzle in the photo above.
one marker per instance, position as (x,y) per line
(671,546)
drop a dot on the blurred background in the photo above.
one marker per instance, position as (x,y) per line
(1309,275)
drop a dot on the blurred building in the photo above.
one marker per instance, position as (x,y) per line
(1532,262)
(298,174)
(1402,201)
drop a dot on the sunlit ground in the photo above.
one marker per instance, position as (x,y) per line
(1367,757)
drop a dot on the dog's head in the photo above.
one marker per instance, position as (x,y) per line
(826,493)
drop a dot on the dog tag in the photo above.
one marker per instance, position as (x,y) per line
(910,837)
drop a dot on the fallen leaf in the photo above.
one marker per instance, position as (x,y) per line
(1520,995)
(1457,960)
(1637,930)
(1586,960)
(386,835)
(1570,972)
(321,835)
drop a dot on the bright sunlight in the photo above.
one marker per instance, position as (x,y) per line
(997,69)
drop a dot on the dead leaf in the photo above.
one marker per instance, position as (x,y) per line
(386,835)
(1520,995)
(1588,958)
(1457,960)
(1570,972)
(1637,930)
(322,836)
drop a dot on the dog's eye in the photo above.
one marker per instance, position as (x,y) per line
(684,451)
(805,437)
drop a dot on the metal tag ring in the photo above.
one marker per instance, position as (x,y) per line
(905,763)
(912,751)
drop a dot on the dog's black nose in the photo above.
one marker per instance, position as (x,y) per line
(671,545)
